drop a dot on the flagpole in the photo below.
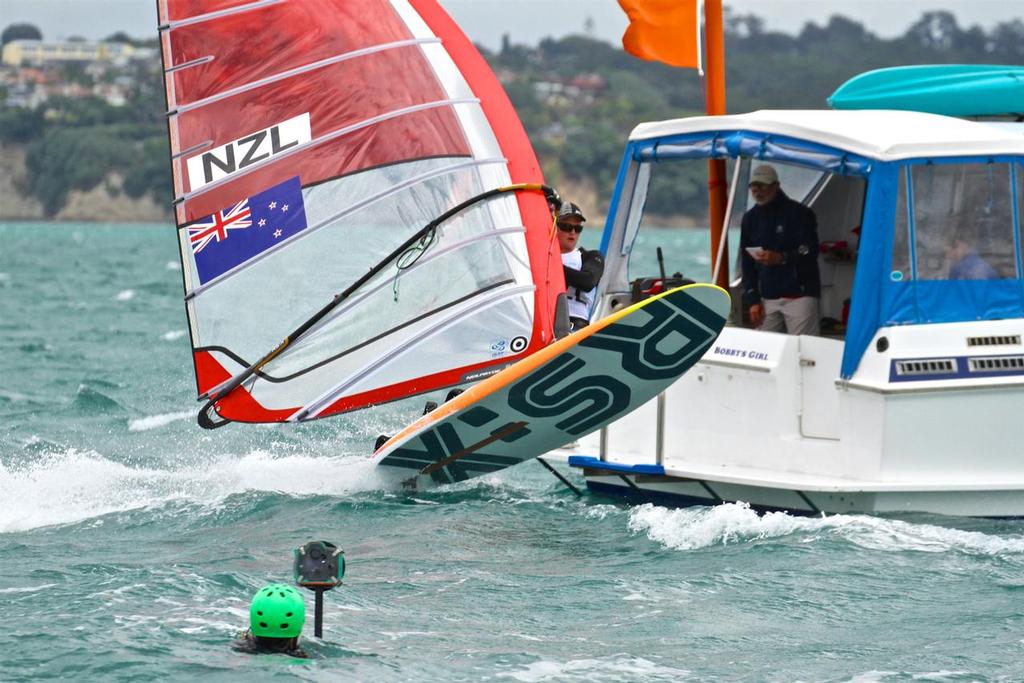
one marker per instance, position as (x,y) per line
(714,104)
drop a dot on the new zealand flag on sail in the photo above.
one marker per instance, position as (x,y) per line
(233,236)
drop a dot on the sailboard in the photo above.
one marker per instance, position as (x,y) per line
(360,214)
(563,392)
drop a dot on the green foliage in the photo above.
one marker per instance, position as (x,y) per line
(593,152)
(72,158)
(120,37)
(18,124)
(74,144)
(79,142)
(677,188)
(151,174)
(20,32)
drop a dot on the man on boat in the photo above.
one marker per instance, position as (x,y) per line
(779,257)
(582,268)
(276,616)
(966,263)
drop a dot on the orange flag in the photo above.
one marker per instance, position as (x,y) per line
(666,31)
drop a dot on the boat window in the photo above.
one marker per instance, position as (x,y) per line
(796,181)
(901,269)
(636,211)
(669,210)
(799,183)
(962,224)
(838,205)
(1020,218)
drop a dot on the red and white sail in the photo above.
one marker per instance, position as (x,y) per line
(309,139)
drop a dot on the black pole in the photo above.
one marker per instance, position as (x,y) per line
(661,263)
(318,614)
(558,474)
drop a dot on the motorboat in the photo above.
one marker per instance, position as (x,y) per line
(911,399)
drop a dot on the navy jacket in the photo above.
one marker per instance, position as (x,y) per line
(781,225)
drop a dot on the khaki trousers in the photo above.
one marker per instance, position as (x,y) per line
(795,316)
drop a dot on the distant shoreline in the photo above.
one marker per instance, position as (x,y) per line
(104,203)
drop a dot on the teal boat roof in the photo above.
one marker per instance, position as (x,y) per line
(948,89)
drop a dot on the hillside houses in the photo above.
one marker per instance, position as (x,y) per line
(35,71)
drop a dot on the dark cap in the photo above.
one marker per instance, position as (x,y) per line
(570,209)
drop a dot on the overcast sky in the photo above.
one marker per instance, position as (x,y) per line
(527,21)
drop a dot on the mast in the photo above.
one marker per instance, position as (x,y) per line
(714,103)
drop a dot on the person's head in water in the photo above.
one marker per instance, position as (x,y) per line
(569,221)
(276,616)
(764,184)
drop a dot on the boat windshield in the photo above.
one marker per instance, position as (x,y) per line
(669,209)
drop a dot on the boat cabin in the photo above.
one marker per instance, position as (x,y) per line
(910,398)
(901,199)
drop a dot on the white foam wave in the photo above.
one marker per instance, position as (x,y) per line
(74,486)
(143,424)
(172,265)
(701,527)
(173,335)
(125,295)
(613,668)
(13,396)
(28,589)
(932,676)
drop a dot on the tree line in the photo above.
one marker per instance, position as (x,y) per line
(76,143)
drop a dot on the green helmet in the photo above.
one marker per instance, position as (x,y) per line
(277,611)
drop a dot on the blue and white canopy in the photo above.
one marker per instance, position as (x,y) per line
(929,178)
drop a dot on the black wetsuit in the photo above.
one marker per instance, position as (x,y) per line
(254,645)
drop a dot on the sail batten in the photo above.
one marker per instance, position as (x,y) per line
(187,65)
(297,71)
(322,402)
(328,155)
(338,216)
(209,16)
(329,137)
(262,375)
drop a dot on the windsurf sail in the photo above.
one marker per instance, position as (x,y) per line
(356,204)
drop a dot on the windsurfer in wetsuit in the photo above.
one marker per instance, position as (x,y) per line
(582,268)
(276,616)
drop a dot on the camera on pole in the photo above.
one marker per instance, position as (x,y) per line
(319,567)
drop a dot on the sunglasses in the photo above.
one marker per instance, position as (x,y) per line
(570,227)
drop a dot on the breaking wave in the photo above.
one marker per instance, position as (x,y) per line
(701,527)
(144,424)
(69,487)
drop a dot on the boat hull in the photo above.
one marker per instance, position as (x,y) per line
(764,419)
(682,492)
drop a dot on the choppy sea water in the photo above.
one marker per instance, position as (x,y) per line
(131,540)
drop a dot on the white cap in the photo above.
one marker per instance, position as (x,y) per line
(765,175)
